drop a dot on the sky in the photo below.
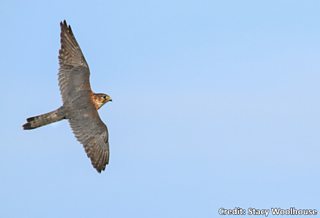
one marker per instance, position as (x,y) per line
(215,105)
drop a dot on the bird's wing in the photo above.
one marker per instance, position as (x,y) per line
(76,95)
(90,131)
(74,71)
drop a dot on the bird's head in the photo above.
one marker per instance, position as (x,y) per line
(100,99)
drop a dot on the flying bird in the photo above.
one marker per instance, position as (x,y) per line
(80,103)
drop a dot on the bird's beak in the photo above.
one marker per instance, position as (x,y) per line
(110,99)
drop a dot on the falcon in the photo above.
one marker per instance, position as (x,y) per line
(80,104)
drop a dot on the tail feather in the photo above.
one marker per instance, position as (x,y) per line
(44,119)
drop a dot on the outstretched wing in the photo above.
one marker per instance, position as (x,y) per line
(91,132)
(76,96)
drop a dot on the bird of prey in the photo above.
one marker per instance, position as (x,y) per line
(80,103)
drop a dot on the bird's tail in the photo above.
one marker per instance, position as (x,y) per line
(44,119)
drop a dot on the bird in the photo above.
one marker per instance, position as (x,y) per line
(80,104)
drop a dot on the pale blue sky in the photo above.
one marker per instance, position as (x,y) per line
(215,104)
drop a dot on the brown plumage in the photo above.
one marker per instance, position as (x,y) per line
(44,119)
(80,104)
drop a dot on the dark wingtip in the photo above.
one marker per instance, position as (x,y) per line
(61,24)
(99,170)
(64,25)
